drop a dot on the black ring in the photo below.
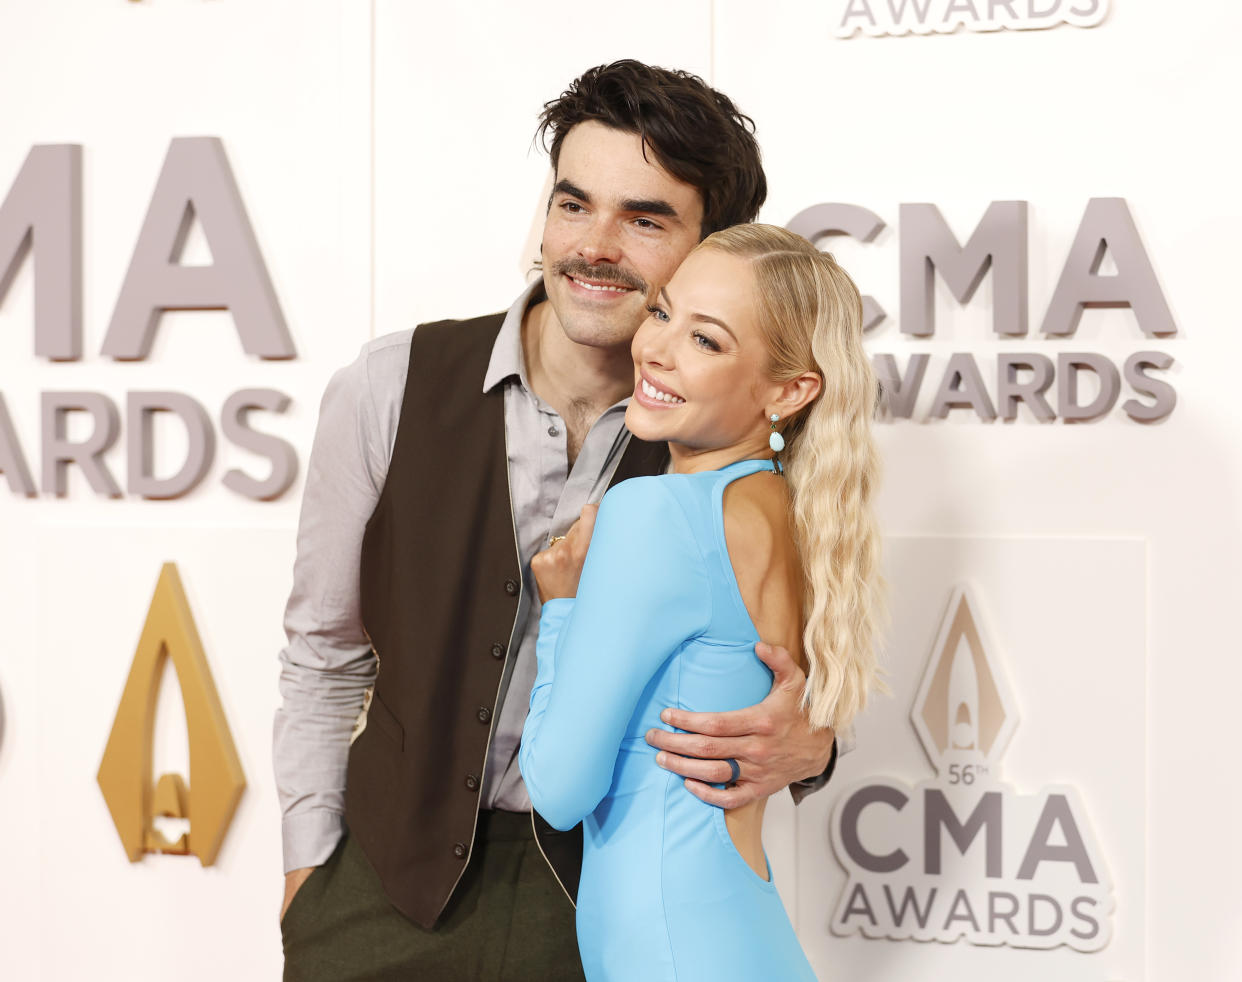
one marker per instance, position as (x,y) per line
(735,771)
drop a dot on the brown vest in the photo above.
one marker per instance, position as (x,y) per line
(440,585)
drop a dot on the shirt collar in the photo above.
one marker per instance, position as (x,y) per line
(508,358)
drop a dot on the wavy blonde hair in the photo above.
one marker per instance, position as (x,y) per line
(810,316)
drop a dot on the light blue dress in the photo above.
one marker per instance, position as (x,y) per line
(658,621)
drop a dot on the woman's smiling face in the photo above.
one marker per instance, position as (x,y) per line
(700,365)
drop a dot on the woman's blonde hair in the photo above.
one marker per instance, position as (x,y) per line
(810,316)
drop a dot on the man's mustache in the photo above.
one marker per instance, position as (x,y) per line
(600,273)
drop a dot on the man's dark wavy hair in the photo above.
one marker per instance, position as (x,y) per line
(695,132)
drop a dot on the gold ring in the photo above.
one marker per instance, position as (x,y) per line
(554,540)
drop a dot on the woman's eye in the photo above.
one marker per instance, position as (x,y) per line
(658,313)
(703,341)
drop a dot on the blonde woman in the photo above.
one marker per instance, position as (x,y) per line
(751,366)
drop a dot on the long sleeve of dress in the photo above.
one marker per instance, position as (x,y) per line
(644,592)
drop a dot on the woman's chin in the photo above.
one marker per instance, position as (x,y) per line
(645,424)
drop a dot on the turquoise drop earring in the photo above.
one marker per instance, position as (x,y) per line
(777,443)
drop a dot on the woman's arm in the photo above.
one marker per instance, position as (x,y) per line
(644,591)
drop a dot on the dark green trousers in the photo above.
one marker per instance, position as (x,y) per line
(508,920)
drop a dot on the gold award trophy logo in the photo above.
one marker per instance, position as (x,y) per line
(965,855)
(125,774)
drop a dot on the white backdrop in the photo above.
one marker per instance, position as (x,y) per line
(384,155)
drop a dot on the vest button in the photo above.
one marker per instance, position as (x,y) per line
(472,783)
(553,431)
(511,587)
(459,850)
(498,650)
(484,714)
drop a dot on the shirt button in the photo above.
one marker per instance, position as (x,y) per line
(472,782)
(484,714)
(511,587)
(498,650)
(553,431)
(459,850)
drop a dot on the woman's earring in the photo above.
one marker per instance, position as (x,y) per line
(777,443)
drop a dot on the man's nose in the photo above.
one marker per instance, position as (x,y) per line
(600,244)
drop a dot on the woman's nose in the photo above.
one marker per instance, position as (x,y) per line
(651,343)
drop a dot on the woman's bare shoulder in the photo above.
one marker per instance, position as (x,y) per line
(756,515)
(765,558)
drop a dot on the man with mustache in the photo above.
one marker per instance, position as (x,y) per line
(444,459)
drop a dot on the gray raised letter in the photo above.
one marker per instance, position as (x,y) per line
(863,10)
(860,799)
(1095,925)
(999,242)
(898,393)
(858,904)
(59,452)
(1145,385)
(1108,227)
(962,388)
(1031,929)
(835,218)
(12,461)
(897,8)
(282,455)
(968,914)
(1010,390)
(910,900)
(1057,812)
(196,181)
(140,411)
(938,814)
(1068,367)
(1007,916)
(961,7)
(43,214)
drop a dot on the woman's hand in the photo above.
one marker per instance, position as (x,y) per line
(559,566)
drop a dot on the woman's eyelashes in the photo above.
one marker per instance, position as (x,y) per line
(704,341)
(697,337)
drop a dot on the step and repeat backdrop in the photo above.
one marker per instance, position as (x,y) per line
(207,206)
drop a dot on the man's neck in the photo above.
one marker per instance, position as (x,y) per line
(579,381)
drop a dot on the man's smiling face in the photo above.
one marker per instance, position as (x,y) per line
(618,226)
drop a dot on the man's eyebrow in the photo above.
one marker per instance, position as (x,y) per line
(706,318)
(652,206)
(570,188)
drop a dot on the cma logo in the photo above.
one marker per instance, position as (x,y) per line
(963,855)
(41,222)
(898,17)
(135,800)
(1107,266)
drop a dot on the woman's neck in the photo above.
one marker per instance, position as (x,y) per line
(695,460)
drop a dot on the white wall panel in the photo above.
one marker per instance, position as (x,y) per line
(286,87)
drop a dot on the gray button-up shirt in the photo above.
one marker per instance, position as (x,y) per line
(328,666)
